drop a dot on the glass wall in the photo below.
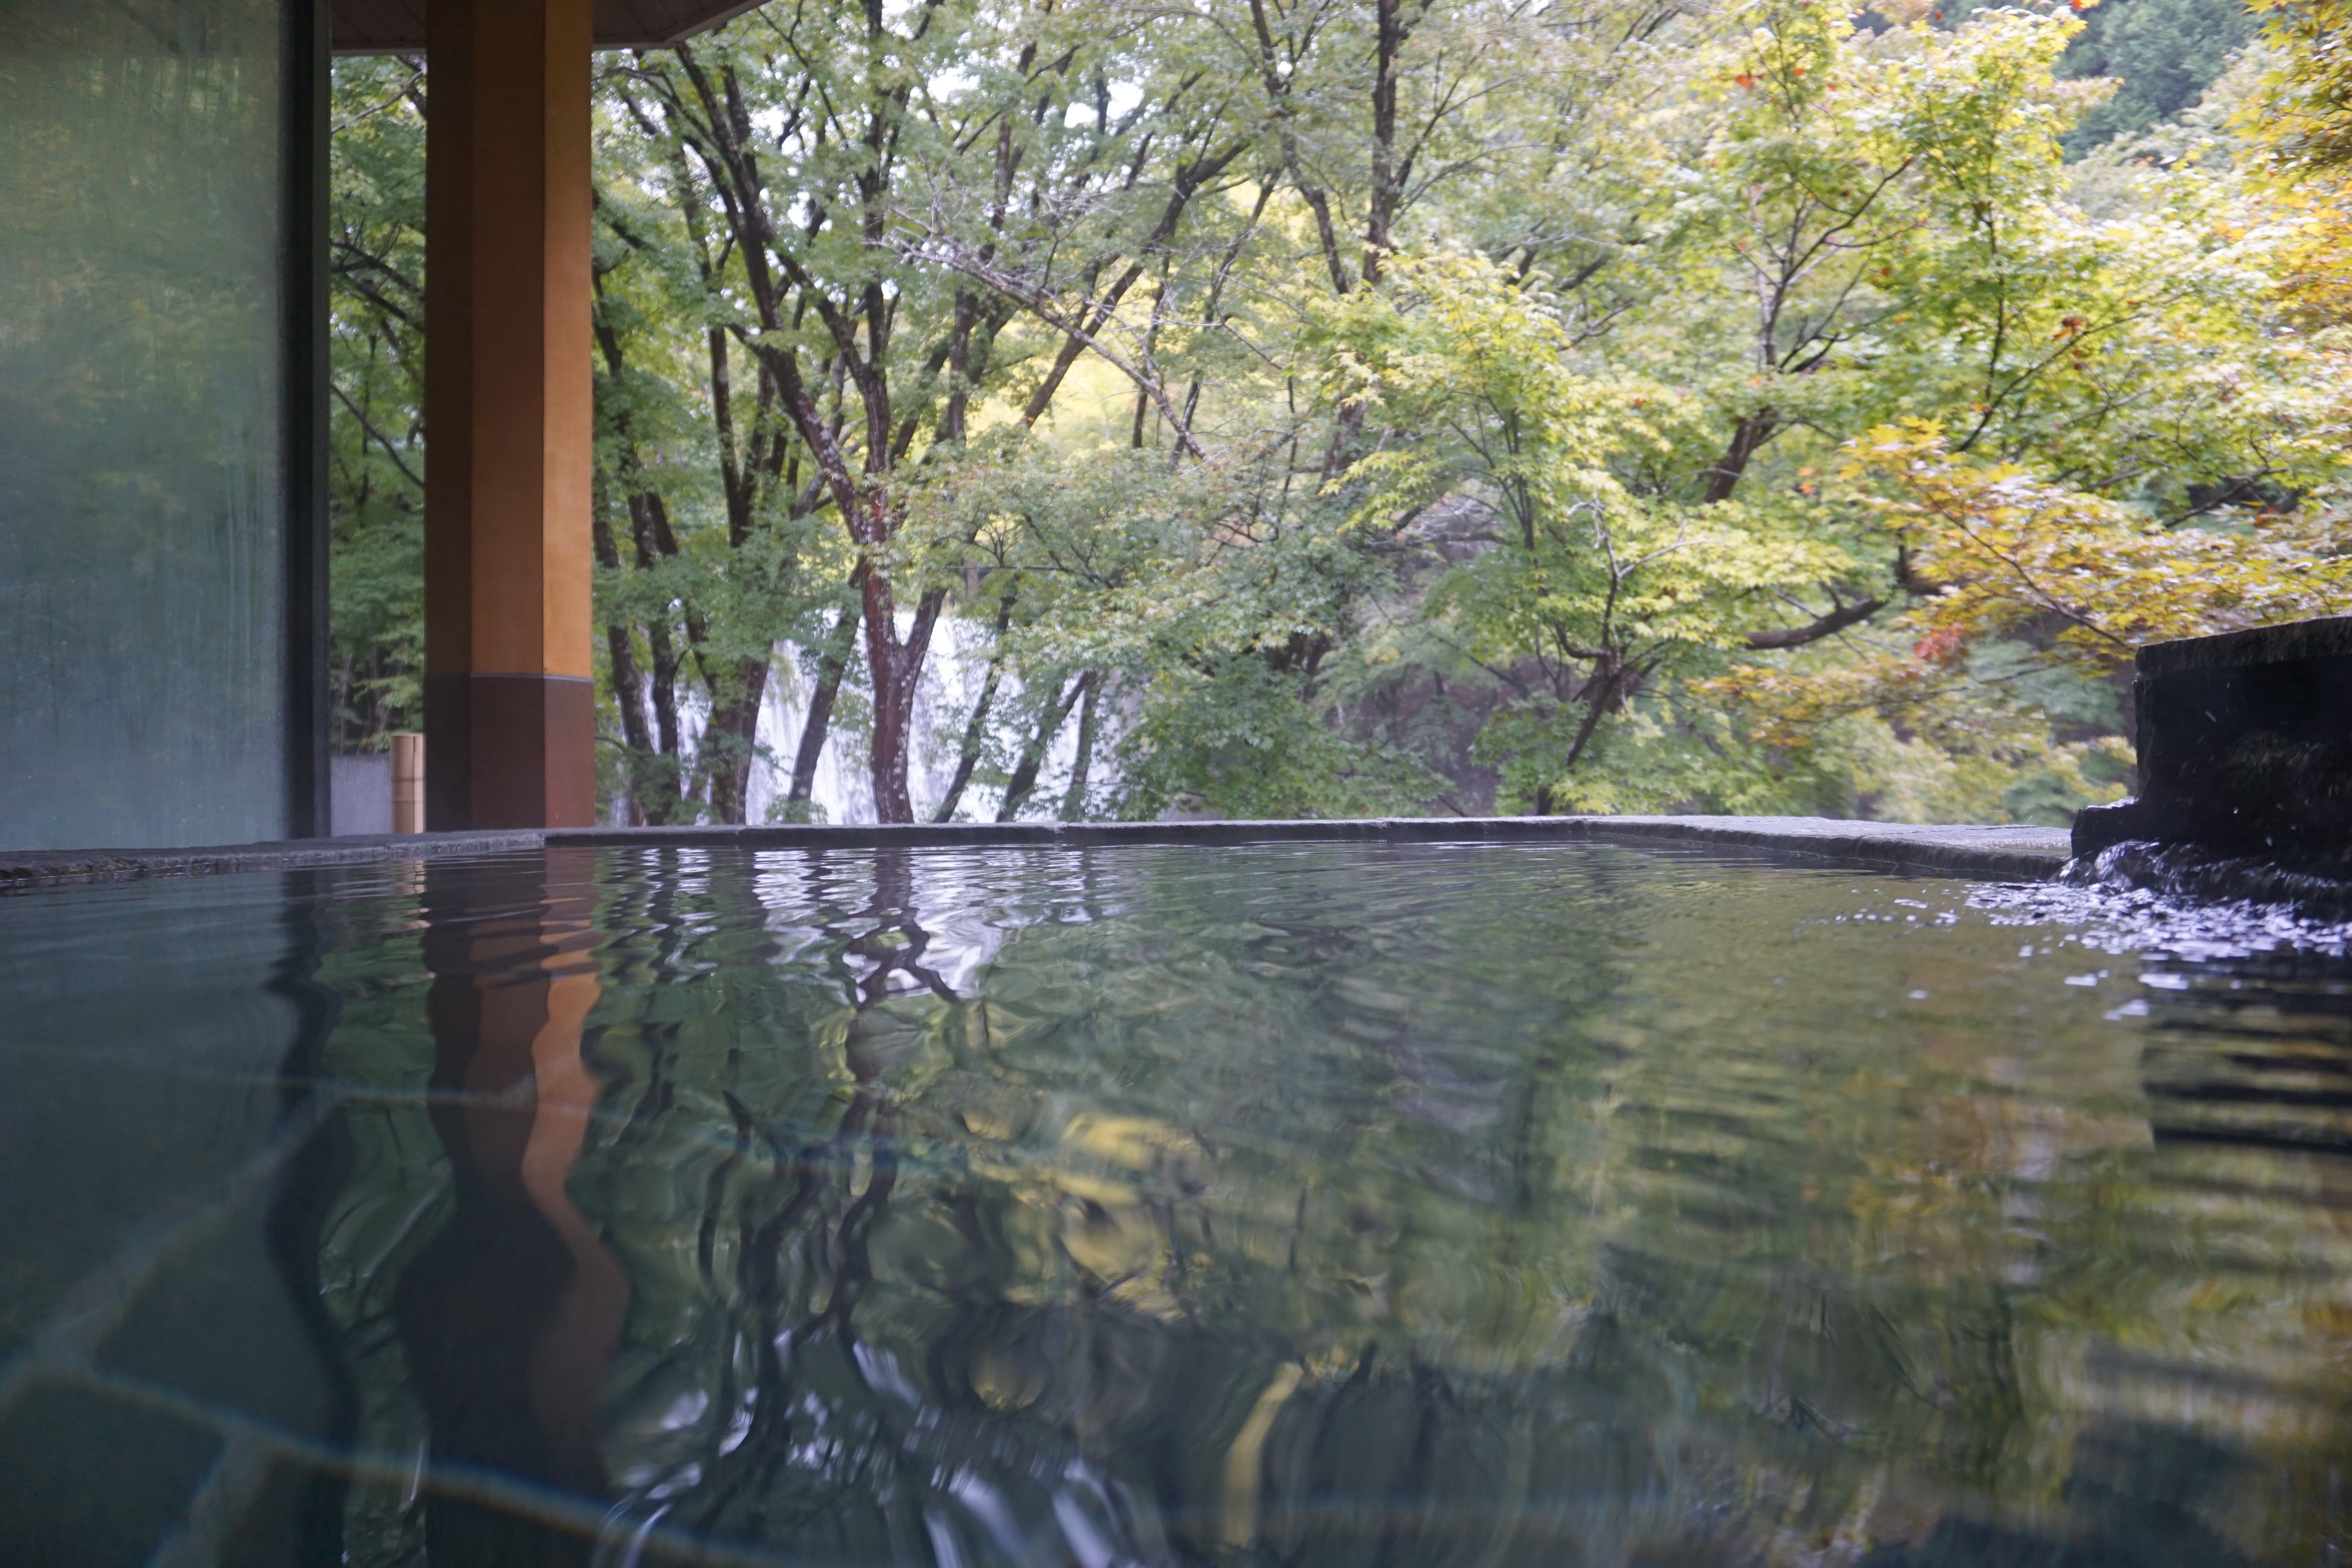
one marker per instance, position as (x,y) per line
(143,419)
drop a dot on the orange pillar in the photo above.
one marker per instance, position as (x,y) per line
(510,705)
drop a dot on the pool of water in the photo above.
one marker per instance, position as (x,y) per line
(1297,1204)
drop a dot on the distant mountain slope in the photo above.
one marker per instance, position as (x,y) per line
(2166,51)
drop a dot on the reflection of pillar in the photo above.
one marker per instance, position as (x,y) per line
(510,710)
(509,1316)
(308,1188)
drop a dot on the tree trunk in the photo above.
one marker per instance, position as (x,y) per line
(1748,438)
(667,777)
(731,741)
(1390,31)
(664,782)
(895,666)
(834,664)
(1601,693)
(628,681)
(1024,781)
(975,728)
(1073,800)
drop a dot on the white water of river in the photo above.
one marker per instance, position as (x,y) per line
(843,791)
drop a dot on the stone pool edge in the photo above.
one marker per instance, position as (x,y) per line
(2004,854)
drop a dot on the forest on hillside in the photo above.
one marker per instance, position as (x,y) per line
(1104,408)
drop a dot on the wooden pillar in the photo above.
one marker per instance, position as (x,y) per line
(510,705)
(408,783)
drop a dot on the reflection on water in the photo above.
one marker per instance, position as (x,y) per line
(1297,1204)
(509,1316)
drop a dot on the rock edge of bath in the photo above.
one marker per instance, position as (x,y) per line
(2012,853)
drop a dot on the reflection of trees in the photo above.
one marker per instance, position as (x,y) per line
(910,1265)
(1212,1217)
(1058,1284)
(2246,1073)
(805,1430)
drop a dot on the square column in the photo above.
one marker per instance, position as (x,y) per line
(510,699)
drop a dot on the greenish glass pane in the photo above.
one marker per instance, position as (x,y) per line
(142,413)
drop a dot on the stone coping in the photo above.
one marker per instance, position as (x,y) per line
(2009,854)
(21,869)
(2328,637)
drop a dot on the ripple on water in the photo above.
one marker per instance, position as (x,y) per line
(1311,1204)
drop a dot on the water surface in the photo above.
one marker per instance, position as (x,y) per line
(1297,1204)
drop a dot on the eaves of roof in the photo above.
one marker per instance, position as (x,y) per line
(397,26)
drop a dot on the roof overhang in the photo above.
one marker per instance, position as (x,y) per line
(397,26)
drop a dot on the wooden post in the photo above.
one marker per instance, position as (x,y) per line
(407,782)
(510,705)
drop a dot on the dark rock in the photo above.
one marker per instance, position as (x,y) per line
(2245,745)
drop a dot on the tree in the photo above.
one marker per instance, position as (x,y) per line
(702,479)
(1592,586)
(1323,406)
(815,133)
(376,448)
(2162,53)
(2302,120)
(2066,582)
(1851,228)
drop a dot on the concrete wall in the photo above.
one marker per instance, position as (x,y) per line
(363,794)
(2245,745)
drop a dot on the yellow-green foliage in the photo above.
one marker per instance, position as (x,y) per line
(1591,589)
(2305,119)
(2064,582)
(1496,409)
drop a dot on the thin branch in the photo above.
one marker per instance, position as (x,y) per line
(389,449)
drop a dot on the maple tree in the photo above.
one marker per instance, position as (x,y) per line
(1331,407)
